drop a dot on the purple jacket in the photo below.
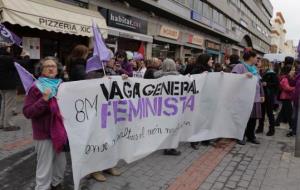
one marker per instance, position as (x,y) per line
(241,69)
(126,68)
(46,120)
(297,91)
(38,110)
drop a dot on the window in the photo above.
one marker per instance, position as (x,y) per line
(222,20)
(229,24)
(215,16)
(207,11)
(200,6)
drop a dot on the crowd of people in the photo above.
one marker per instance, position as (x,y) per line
(278,86)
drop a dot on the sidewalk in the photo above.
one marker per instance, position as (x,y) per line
(16,141)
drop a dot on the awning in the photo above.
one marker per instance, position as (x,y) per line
(130,35)
(51,15)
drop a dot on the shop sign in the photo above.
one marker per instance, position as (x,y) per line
(213,46)
(126,22)
(197,17)
(195,39)
(64,27)
(169,32)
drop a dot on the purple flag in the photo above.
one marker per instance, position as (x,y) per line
(26,77)
(10,36)
(93,64)
(101,53)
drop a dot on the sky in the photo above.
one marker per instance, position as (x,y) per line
(291,11)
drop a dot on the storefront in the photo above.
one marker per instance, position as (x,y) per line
(193,47)
(166,43)
(213,49)
(50,28)
(125,32)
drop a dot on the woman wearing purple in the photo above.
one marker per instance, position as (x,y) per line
(248,67)
(48,130)
(122,64)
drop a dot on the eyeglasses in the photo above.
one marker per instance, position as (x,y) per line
(120,56)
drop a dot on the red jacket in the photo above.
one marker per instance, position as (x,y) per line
(46,119)
(287,91)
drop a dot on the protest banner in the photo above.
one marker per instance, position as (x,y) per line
(111,119)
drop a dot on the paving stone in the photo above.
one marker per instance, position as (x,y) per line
(231,184)
(218,185)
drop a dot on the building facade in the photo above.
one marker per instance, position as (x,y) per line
(278,34)
(184,28)
(166,28)
(279,44)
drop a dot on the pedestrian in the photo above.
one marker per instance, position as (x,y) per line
(139,68)
(295,103)
(233,61)
(8,89)
(248,67)
(152,66)
(47,126)
(76,64)
(168,67)
(110,70)
(286,95)
(190,65)
(204,63)
(122,64)
(271,88)
(217,67)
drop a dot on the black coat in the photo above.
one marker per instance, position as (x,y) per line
(149,74)
(272,88)
(200,69)
(77,69)
(189,68)
(8,73)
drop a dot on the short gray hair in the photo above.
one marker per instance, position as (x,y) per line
(40,66)
(168,65)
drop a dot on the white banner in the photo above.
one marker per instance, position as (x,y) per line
(112,119)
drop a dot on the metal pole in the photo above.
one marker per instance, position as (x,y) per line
(297,143)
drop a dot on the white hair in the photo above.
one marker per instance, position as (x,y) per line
(168,65)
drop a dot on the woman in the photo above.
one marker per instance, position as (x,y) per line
(233,61)
(122,64)
(295,103)
(48,131)
(139,66)
(77,62)
(271,87)
(248,67)
(204,63)
(168,67)
(152,66)
(286,95)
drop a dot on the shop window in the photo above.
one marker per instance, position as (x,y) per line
(163,50)
(78,3)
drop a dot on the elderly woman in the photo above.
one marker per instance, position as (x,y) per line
(48,131)
(168,67)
